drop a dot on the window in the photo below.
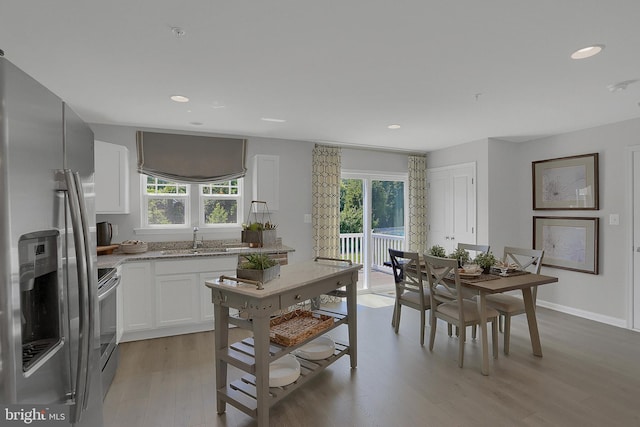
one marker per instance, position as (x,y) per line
(219,203)
(167,204)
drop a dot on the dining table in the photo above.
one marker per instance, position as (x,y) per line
(495,284)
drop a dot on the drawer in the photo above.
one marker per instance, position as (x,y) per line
(314,290)
(200,265)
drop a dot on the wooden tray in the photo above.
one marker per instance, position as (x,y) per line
(106,250)
(294,327)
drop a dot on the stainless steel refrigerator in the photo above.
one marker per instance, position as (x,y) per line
(49,323)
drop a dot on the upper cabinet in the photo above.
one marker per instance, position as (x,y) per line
(112,178)
(266,180)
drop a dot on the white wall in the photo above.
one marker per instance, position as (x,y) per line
(603,296)
(295,186)
(505,211)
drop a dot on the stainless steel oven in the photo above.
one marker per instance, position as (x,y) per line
(108,281)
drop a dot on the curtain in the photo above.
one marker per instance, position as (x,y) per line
(417,230)
(326,201)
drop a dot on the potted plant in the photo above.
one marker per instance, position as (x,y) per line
(461,255)
(258,267)
(485,260)
(259,234)
(437,250)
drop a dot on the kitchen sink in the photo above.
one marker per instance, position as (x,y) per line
(194,251)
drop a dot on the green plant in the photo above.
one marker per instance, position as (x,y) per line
(461,255)
(257,261)
(485,260)
(437,250)
(258,226)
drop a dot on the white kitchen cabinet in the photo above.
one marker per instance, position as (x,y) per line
(111,178)
(266,180)
(168,297)
(177,299)
(138,295)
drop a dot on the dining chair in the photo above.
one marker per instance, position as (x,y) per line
(410,289)
(444,276)
(467,293)
(509,305)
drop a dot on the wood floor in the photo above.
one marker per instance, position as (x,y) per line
(589,376)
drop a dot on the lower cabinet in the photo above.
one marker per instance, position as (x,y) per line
(138,297)
(169,297)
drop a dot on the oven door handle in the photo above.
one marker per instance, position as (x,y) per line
(108,288)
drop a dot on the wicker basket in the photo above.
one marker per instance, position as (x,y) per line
(294,327)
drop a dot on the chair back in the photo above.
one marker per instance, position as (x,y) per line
(442,290)
(526,259)
(474,249)
(407,272)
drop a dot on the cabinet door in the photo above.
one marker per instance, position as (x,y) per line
(138,297)
(177,299)
(266,180)
(452,206)
(111,178)
(206,305)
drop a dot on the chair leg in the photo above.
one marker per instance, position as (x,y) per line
(461,341)
(432,331)
(494,336)
(507,332)
(393,316)
(500,318)
(449,329)
(398,310)
(473,332)
(422,323)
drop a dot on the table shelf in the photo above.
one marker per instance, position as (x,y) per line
(242,393)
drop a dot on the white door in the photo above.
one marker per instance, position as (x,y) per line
(451,195)
(636,238)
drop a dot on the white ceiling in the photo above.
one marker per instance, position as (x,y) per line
(447,71)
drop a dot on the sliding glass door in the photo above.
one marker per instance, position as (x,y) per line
(372,220)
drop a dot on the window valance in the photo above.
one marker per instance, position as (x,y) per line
(190,158)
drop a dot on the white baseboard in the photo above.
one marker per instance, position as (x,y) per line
(613,321)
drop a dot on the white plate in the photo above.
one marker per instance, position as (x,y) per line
(318,349)
(284,371)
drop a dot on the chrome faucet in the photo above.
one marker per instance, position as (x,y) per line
(195,238)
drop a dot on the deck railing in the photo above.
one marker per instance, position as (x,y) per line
(351,247)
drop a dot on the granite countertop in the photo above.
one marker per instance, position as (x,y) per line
(117,257)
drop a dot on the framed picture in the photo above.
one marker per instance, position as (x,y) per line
(570,243)
(566,183)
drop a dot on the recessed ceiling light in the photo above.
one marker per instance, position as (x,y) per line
(196,123)
(179,98)
(587,52)
(618,87)
(394,126)
(269,119)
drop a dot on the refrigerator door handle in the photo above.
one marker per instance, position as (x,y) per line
(84,308)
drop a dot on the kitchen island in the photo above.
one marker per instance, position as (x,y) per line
(297,283)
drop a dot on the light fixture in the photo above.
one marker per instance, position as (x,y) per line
(196,123)
(393,126)
(587,52)
(619,87)
(178,32)
(269,119)
(179,98)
